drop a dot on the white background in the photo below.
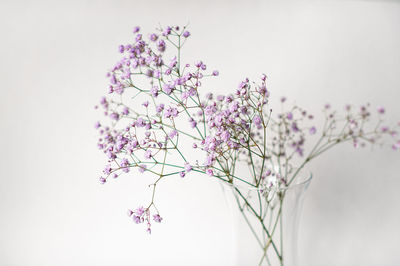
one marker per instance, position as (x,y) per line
(54,56)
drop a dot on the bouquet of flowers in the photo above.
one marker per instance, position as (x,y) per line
(161,122)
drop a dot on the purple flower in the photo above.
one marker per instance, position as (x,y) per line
(147,154)
(160,108)
(188,167)
(111,155)
(225,136)
(140,211)
(124,162)
(257,120)
(294,127)
(137,219)
(113,80)
(313,130)
(182,174)
(193,124)
(381,110)
(107,170)
(172,134)
(157,218)
(171,112)
(263,77)
(167,31)
(136,29)
(168,88)
(97,125)
(186,34)
(125,111)
(215,73)
(289,116)
(142,168)
(154,91)
(209,172)
(153,37)
(114,116)
(161,45)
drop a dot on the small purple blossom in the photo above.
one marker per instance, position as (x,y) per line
(210,172)
(172,134)
(153,37)
(157,218)
(136,29)
(188,167)
(140,211)
(114,116)
(124,162)
(160,108)
(142,168)
(147,154)
(125,111)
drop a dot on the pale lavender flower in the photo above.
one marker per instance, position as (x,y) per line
(157,218)
(153,37)
(160,108)
(125,111)
(188,167)
(140,211)
(124,162)
(114,116)
(142,168)
(147,154)
(136,29)
(172,134)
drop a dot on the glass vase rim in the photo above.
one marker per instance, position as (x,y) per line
(304,182)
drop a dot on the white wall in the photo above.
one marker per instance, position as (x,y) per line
(54,56)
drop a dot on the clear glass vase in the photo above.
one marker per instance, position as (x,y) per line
(266,222)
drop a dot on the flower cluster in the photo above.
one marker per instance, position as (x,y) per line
(154,105)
